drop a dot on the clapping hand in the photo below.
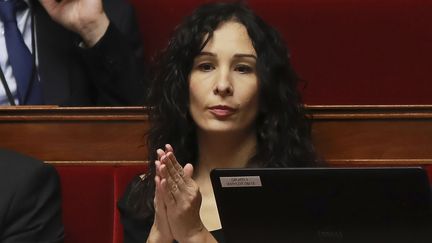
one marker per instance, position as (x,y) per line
(181,199)
(160,231)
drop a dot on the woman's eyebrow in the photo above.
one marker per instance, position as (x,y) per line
(238,55)
(204,53)
(245,55)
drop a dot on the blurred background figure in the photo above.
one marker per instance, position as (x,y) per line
(30,200)
(70,53)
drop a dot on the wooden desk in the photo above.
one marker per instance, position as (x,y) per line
(343,135)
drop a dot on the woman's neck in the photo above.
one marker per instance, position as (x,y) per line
(225,150)
(219,151)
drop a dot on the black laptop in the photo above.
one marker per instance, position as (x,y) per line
(309,205)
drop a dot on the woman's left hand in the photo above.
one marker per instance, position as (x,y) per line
(183,200)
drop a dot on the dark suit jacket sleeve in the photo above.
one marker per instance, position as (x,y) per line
(33,204)
(116,62)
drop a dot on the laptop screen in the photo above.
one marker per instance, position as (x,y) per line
(323,204)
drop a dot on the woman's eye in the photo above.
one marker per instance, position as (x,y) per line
(243,69)
(205,67)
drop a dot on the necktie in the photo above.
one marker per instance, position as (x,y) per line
(20,58)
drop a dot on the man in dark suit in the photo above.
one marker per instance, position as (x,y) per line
(30,204)
(87,52)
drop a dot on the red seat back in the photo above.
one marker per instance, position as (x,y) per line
(349,51)
(89,194)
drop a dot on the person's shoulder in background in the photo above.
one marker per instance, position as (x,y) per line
(30,200)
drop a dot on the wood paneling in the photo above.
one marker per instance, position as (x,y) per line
(76,134)
(343,135)
(373,135)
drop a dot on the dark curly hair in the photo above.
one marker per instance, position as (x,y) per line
(282,128)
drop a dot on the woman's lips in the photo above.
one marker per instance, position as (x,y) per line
(222,111)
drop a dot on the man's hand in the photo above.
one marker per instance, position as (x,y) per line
(84,17)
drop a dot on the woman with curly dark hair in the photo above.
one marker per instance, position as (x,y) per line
(224,95)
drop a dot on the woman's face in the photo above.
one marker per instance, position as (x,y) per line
(223,83)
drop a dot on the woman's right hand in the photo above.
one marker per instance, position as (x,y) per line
(160,231)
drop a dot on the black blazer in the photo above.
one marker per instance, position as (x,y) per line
(109,74)
(30,204)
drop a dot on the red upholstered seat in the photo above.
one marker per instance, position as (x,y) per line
(89,194)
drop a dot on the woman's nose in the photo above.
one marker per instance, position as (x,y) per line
(223,86)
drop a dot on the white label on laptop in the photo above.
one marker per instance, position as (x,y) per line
(241,181)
